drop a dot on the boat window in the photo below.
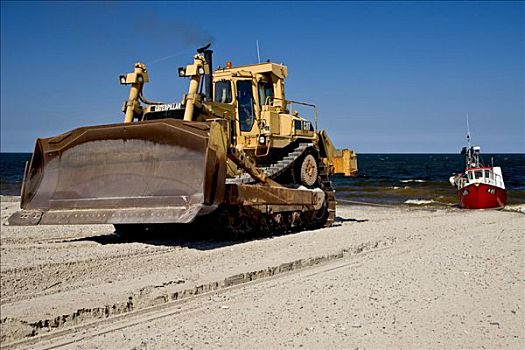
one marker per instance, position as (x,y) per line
(487,174)
(478,174)
(469,174)
(245,104)
(223,91)
(265,93)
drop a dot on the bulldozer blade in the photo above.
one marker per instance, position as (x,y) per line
(161,171)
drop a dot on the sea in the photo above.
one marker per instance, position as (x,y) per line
(384,179)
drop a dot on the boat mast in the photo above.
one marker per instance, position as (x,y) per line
(468,133)
(472,153)
(468,153)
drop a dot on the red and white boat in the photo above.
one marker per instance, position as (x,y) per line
(480,187)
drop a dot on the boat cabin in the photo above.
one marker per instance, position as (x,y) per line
(487,175)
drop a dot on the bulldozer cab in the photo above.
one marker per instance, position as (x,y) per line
(252,90)
(262,113)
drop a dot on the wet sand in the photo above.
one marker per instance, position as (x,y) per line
(384,277)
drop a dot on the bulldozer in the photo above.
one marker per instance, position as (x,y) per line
(232,154)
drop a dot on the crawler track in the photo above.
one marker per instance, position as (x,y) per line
(285,167)
(277,168)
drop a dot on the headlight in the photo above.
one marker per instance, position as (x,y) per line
(201,70)
(262,139)
(122,79)
(182,72)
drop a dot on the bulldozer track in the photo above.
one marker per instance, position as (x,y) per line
(274,169)
(199,297)
(279,167)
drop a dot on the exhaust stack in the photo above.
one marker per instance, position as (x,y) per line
(208,78)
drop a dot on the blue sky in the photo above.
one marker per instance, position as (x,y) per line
(386,76)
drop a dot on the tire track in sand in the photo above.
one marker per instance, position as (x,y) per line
(68,275)
(124,314)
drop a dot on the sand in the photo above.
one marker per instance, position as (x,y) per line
(384,277)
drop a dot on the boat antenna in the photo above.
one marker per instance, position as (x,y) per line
(468,149)
(468,132)
(258,53)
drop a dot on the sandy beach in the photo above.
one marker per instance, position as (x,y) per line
(384,277)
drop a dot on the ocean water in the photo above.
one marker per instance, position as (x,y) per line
(395,179)
(422,179)
(12,172)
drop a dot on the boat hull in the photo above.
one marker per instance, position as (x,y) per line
(482,196)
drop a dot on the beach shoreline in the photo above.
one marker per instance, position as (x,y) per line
(461,265)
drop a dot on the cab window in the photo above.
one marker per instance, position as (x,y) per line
(478,174)
(245,104)
(223,91)
(265,93)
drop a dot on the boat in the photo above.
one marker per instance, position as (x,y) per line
(480,186)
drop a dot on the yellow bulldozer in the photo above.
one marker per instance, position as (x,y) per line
(233,154)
